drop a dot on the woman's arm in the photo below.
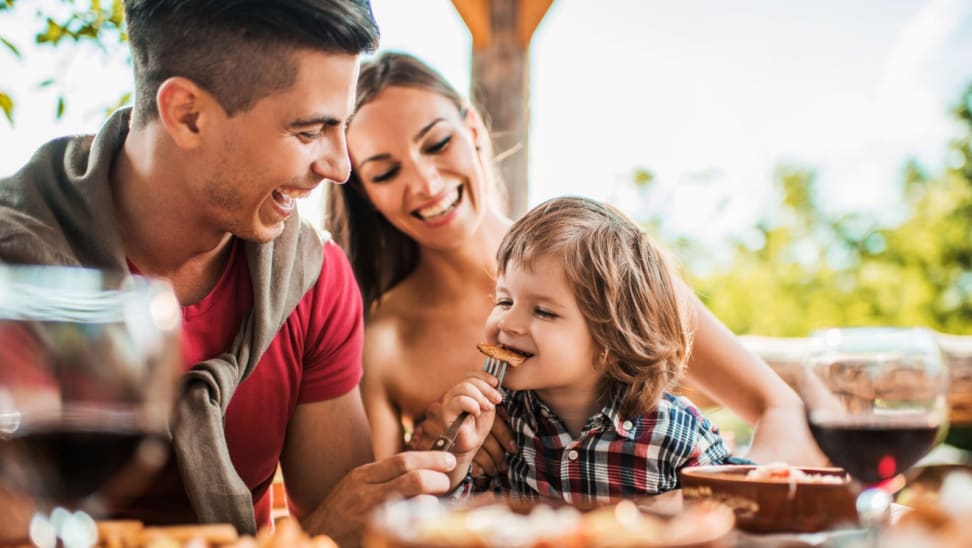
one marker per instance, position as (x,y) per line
(387,433)
(733,376)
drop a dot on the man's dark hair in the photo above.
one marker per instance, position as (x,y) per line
(238,50)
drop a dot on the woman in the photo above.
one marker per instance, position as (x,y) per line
(421,222)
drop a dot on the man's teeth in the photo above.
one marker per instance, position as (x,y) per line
(287,197)
(445,204)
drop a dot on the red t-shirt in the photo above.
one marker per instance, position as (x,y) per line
(315,356)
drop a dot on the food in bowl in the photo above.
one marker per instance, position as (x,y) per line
(776,498)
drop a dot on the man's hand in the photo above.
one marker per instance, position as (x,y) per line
(344,513)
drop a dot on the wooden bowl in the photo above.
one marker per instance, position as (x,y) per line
(774,505)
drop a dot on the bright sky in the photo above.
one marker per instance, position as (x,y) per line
(711,96)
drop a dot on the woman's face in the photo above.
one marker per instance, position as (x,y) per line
(417,158)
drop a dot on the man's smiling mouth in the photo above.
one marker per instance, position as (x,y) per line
(287,198)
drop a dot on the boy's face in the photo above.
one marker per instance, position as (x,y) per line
(254,165)
(536,313)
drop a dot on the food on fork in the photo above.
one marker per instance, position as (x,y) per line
(509,355)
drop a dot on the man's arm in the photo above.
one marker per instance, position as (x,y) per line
(331,489)
(325,440)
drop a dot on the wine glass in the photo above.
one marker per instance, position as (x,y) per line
(876,402)
(89,362)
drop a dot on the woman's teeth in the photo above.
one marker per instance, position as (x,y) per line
(445,205)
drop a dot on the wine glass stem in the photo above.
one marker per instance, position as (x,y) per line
(873,507)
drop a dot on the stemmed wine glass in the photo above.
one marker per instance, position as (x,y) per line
(876,402)
(89,361)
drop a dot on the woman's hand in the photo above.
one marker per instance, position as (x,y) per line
(490,460)
(782,435)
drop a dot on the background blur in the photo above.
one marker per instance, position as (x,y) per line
(808,165)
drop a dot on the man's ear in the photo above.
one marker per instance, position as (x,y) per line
(185,108)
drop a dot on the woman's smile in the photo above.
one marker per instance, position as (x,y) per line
(446,204)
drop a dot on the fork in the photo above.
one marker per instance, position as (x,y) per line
(445,442)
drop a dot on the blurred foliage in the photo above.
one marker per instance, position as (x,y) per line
(802,268)
(90,21)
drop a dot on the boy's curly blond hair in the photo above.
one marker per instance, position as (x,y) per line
(623,285)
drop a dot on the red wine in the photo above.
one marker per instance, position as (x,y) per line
(64,464)
(872,452)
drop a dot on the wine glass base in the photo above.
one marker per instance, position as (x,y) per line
(873,511)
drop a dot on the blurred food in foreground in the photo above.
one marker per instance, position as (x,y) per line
(133,534)
(430,523)
(942,520)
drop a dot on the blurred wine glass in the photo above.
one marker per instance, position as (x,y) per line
(89,362)
(876,402)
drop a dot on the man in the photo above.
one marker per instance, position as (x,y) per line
(240,110)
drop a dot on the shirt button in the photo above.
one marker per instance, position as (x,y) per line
(572,455)
(627,425)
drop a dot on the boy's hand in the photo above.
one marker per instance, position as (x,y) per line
(490,460)
(477,396)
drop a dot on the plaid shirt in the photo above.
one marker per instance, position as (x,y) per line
(612,458)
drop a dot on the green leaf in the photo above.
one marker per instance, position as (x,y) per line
(6,104)
(117,12)
(122,101)
(46,83)
(53,34)
(88,30)
(643,177)
(10,45)
(60,107)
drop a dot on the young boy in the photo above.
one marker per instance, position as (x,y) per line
(590,302)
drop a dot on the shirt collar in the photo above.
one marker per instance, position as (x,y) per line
(609,414)
(626,428)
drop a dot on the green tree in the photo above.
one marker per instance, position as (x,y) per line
(90,21)
(802,268)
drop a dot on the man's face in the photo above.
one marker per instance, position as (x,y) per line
(255,165)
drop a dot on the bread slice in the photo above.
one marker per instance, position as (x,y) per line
(507,355)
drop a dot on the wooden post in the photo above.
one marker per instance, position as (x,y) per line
(501,32)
